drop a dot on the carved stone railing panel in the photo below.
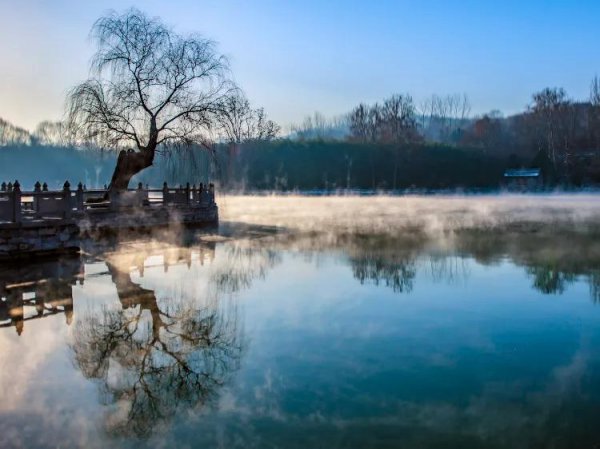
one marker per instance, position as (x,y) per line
(42,203)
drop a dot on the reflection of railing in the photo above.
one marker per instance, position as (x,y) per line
(17,206)
(37,291)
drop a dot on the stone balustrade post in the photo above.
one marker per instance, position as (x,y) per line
(165,193)
(187,193)
(45,187)
(16,197)
(194,194)
(37,188)
(201,194)
(3,187)
(140,194)
(66,194)
(79,197)
(211,191)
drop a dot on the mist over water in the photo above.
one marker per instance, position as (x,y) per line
(430,215)
(442,321)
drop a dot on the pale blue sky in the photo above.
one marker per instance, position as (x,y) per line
(297,57)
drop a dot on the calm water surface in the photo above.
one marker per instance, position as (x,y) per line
(287,331)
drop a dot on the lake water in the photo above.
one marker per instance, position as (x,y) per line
(455,322)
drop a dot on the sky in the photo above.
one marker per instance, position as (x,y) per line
(297,57)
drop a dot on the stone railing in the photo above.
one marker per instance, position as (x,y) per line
(17,206)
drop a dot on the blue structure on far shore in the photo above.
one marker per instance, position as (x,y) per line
(523,179)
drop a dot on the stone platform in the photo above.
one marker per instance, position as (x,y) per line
(34,239)
(147,218)
(43,222)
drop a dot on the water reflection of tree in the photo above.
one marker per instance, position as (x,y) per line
(153,358)
(552,261)
(448,268)
(549,280)
(242,264)
(594,283)
(396,273)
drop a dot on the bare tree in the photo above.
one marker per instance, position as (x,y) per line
(359,122)
(425,108)
(442,116)
(11,134)
(594,115)
(393,121)
(398,119)
(264,129)
(435,116)
(152,89)
(595,91)
(239,122)
(51,133)
(554,118)
(465,107)
(317,126)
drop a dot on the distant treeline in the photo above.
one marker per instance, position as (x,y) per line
(284,165)
(555,133)
(394,144)
(330,165)
(276,165)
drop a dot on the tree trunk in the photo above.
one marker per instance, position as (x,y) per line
(129,163)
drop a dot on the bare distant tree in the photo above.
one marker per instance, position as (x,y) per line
(151,89)
(398,119)
(425,112)
(595,91)
(359,122)
(239,122)
(465,107)
(13,135)
(460,108)
(373,122)
(594,116)
(435,113)
(51,133)
(393,121)
(553,116)
(440,113)
(442,116)
(264,129)
(315,126)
